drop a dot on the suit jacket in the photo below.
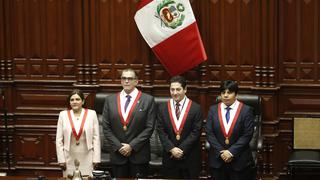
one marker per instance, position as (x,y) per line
(189,141)
(238,142)
(64,133)
(138,131)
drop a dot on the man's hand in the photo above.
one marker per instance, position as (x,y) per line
(63,166)
(226,156)
(125,150)
(176,153)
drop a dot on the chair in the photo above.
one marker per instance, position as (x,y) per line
(105,146)
(305,157)
(256,143)
(156,147)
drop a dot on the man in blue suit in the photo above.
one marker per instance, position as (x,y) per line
(229,130)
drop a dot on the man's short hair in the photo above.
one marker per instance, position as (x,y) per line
(130,70)
(232,86)
(179,79)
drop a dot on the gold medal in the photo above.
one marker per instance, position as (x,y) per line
(227,141)
(178,137)
(124,128)
(77,143)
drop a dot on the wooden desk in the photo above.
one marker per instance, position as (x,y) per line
(25,178)
(48,178)
(58,178)
(34,178)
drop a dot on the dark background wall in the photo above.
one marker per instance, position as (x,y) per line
(49,47)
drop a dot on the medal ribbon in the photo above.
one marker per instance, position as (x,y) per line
(74,132)
(176,131)
(123,122)
(225,134)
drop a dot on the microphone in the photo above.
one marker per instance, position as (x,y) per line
(138,175)
(108,176)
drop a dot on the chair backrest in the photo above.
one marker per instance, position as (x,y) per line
(99,101)
(255,102)
(155,143)
(306,133)
(98,107)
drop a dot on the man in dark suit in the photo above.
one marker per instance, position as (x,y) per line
(128,122)
(179,127)
(229,130)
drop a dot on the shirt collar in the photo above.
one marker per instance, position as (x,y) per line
(180,102)
(134,93)
(232,106)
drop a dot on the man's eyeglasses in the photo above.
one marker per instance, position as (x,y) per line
(127,78)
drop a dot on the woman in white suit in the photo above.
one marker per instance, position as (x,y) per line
(78,137)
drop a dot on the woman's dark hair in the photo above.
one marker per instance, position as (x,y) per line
(232,86)
(179,79)
(80,94)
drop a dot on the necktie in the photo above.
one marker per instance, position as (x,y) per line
(228,113)
(127,103)
(178,110)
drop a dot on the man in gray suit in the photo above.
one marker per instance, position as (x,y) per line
(128,122)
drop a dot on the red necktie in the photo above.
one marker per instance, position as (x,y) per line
(178,111)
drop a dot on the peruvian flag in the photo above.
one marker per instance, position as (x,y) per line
(170,29)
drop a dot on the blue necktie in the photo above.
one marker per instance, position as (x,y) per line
(127,103)
(228,113)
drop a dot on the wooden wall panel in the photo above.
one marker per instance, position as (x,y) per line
(2,42)
(30,149)
(43,39)
(119,41)
(230,37)
(299,42)
(299,101)
(35,146)
(48,47)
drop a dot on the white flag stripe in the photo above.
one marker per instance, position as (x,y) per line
(151,25)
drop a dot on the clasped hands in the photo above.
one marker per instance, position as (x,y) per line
(226,156)
(125,150)
(176,153)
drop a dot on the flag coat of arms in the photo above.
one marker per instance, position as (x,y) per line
(170,29)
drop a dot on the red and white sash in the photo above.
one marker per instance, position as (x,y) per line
(126,121)
(74,132)
(178,124)
(228,134)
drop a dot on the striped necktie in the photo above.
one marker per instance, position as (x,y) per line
(178,110)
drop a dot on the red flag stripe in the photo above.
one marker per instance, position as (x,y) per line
(142,3)
(181,51)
